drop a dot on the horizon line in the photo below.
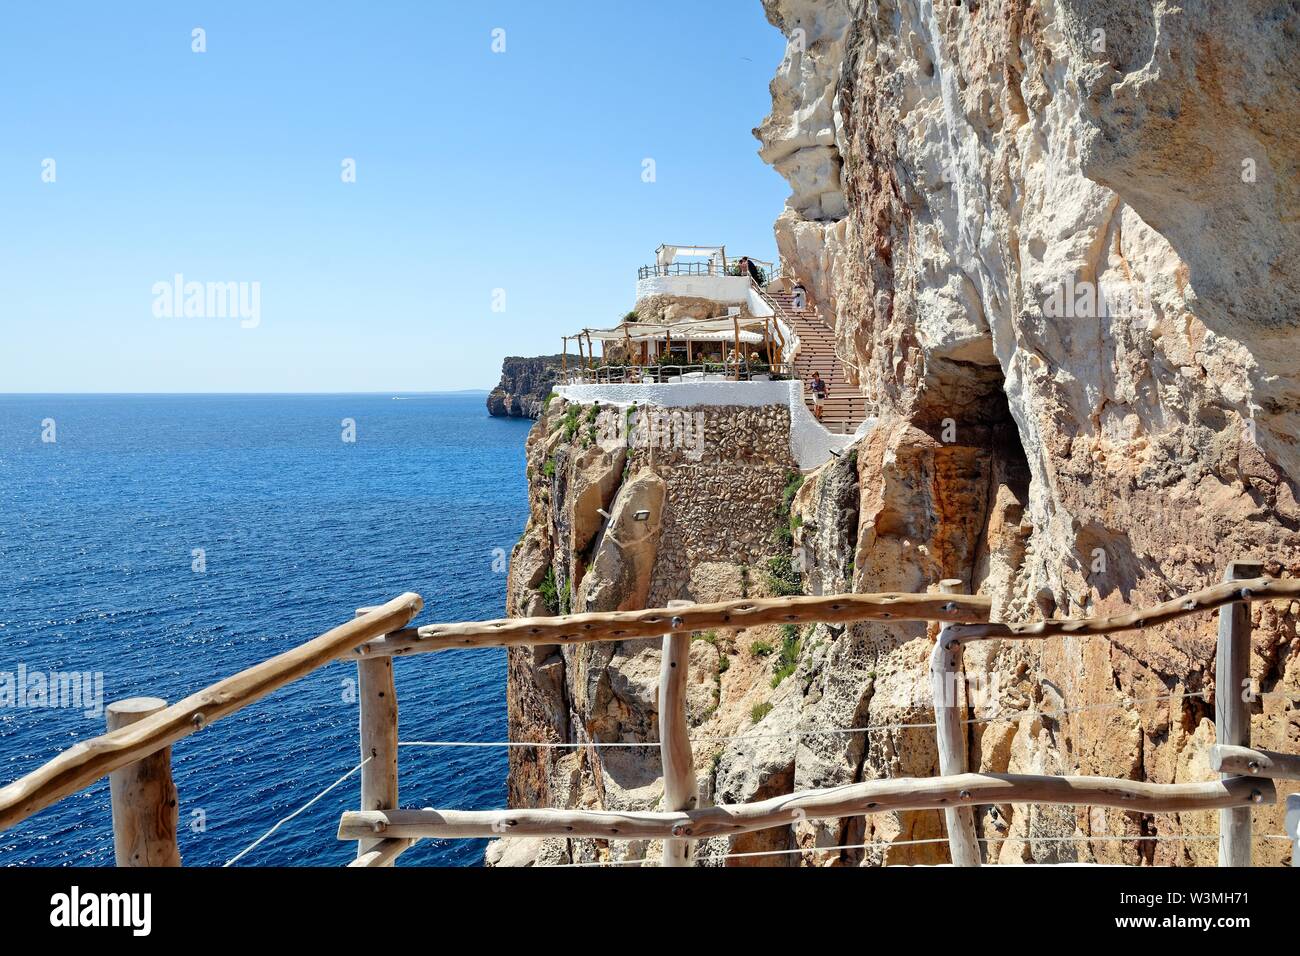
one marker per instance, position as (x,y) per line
(397,391)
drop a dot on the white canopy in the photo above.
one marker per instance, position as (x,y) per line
(667,254)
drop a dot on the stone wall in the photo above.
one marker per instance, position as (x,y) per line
(710,482)
(720,503)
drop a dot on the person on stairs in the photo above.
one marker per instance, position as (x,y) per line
(798,298)
(819,390)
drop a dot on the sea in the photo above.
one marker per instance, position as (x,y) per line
(158,543)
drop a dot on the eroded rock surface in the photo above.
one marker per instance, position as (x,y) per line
(1005,167)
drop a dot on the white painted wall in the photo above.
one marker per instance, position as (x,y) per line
(730,290)
(810,443)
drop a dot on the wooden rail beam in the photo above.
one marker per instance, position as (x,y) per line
(653,622)
(382,852)
(950,735)
(1206,599)
(859,799)
(1254,762)
(86,762)
(681,791)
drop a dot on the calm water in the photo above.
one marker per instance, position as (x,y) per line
(97,538)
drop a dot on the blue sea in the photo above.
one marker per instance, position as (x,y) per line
(99,531)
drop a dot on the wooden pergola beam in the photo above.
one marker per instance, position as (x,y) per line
(859,799)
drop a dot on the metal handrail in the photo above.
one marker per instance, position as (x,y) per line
(700,269)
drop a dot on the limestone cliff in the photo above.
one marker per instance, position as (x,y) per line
(524,385)
(1059,242)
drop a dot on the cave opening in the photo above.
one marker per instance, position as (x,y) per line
(963,405)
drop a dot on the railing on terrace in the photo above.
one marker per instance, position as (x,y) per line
(136,754)
(700,269)
(674,374)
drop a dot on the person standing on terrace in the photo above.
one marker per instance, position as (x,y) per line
(819,391)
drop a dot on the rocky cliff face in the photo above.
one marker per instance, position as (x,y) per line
(635,508)
(525,383)
(1059,241)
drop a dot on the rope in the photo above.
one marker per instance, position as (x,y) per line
(295,813)
(806,732)
(897,843)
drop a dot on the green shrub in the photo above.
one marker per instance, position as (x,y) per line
(571,422)
(782,579)
(759,711)
(548,469)
(546,402)
(548,592)
(788,658)
(761,648)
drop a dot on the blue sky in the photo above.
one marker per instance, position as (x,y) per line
(475,171)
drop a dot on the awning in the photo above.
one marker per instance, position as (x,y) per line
(722,329)
(666,254)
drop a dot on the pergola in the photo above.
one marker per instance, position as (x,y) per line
(734,328)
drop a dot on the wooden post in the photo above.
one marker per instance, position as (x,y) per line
(1231,712)
(950,732)
(143,796)
(377,697)
(735,321)
(680,789)
(1293,826)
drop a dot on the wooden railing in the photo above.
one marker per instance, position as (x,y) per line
(134,751)
(669,373)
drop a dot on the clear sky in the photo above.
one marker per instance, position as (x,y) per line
(475,171)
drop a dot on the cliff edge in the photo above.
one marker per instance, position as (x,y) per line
(524,385)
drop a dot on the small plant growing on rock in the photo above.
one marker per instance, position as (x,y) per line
(571,422)
(547,589)
(759,711)
(782,579)
(548,469)
(761,648)
(788,658)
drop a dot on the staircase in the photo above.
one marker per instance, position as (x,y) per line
(845,406)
